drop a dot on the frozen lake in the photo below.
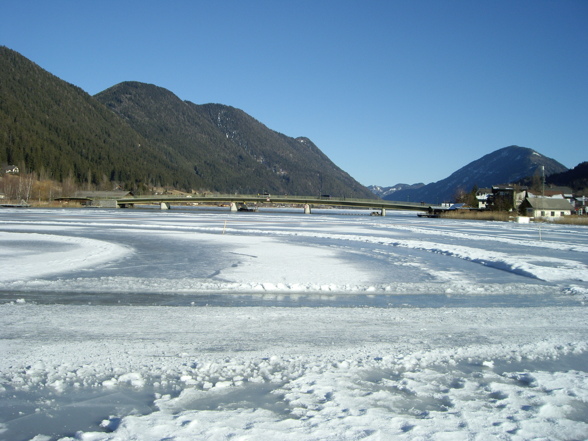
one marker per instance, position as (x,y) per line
(206,324)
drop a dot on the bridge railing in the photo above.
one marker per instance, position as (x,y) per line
(270,198)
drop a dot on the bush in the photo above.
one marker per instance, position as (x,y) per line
(503,216)
(572,220)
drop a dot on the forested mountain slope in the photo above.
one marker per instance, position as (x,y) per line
(142,136)
(575,178)
(57,130)
(226,149)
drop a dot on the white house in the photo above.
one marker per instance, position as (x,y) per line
(546,207)
(10,169)
(482,197)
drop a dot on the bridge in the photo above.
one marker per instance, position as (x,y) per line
(243,202)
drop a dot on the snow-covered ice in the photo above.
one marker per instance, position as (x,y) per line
(202,324)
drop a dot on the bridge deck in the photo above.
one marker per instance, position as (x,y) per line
(278,199)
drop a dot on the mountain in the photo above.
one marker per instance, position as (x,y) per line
(506,165)
(576,178)
(224,148)
(383,192)
(143,136)
(59,131)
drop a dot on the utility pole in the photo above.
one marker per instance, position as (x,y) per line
(542,198)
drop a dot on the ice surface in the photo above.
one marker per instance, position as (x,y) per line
(493,346)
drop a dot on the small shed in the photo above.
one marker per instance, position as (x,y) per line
(546,207)
(96,198)
(102,194)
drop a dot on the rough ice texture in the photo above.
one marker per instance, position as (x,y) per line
(304,373)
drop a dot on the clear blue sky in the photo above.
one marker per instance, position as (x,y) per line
(392,91)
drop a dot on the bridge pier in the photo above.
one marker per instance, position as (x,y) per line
(233,207)
(383,212)
(307,209)
(164,205)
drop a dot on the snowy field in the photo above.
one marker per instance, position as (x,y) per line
(196,324)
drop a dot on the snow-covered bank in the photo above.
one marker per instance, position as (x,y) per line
(99,370)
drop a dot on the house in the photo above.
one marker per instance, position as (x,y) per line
(546,207)
(10,169)
(554,192)
(505,197)
(581,203)
(482,197)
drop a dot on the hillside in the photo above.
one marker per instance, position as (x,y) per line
(147,137)
(506,165)
(224,148)
(575,178)
(57,130)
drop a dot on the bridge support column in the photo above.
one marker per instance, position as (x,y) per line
(306,209)
(383,212)
(233,207)
(164,206)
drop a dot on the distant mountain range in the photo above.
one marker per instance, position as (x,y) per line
(143,136)
(507,165)
(383,192)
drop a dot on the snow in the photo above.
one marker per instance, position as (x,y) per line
(141,324)
(22,260)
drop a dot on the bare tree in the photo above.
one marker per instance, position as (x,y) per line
(25,185)
(69,186)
